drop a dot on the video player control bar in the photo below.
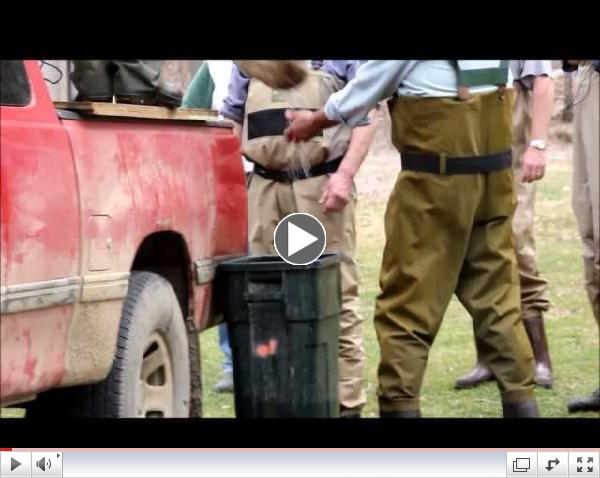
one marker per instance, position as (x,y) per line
(299,463)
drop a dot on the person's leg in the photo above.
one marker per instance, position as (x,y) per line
(136,81)
(489,290)
(268,203)
(585,182)
(141,82)
(341,238)
(534,288)
(427,226)
(225,383)
(534,301)
(93,80)
(586,160)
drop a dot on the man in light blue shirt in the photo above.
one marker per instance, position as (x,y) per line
(448,219)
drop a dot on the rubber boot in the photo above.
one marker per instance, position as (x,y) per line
(142,82)
(591,403)
(169,93)
(478,375)
(539,344)
(528,409)
(403,414)
(94,80)
(349,412)
(225,383)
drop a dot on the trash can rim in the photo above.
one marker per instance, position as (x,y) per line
(275,263)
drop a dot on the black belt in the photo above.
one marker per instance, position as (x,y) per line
(439,164)
(296,174)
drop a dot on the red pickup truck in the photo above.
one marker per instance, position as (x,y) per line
(110,231)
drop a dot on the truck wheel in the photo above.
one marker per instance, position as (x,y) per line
(150,376)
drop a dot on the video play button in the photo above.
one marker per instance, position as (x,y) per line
(15,464)
(299,239)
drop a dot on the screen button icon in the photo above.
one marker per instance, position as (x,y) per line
(521,464)
(584,464)
(553,464)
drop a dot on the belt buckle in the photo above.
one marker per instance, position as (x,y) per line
(443,163)
(289,176)
(292,175)
(297,174)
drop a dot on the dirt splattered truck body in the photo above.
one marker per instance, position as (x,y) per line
(110,231)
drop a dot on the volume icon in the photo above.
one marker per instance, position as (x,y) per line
(43,463)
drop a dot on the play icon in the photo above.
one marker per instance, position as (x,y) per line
(299,239)
(15,464)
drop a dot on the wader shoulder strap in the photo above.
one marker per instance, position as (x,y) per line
(469,76)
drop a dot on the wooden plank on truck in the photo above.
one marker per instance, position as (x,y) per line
(124,110)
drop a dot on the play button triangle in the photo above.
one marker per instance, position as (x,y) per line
(298,239)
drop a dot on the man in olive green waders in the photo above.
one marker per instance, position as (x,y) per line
(448,220)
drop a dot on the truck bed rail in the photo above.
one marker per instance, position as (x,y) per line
(122,110)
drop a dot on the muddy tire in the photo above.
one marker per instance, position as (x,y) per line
(150,376)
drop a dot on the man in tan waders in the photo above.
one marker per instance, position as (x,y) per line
(586,192)
(310,177)
(533,103)
(448,219)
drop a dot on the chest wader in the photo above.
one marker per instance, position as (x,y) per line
(291,177)
(448,231)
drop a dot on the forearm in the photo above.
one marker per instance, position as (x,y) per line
(374,81)
(360,142)
(542,105)
(321,121)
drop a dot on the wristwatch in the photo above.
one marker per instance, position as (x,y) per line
(538,144)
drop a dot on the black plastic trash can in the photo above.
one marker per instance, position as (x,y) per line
(283,323)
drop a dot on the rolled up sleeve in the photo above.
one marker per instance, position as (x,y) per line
(536,68)
(375,80)
(234,104)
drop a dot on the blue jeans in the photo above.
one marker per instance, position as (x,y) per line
(225,348)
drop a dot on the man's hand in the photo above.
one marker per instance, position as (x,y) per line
(302,125)
(337,193)
(533,165)
(305,124)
